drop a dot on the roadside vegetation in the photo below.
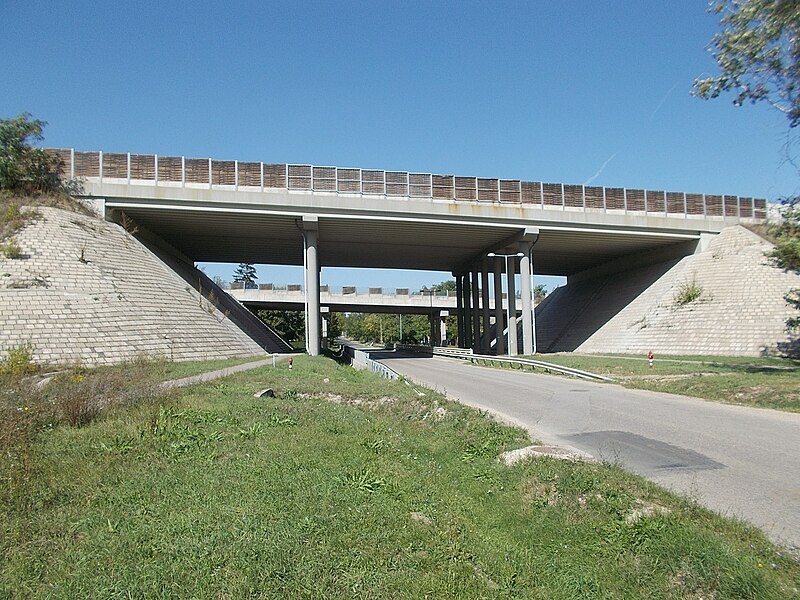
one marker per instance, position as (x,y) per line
(343,485)
(762,382)
(29,178)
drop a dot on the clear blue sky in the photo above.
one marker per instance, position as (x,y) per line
(570,92)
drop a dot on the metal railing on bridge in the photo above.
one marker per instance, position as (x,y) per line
(183,171)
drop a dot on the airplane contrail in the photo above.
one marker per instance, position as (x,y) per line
(664,99)
(600,170)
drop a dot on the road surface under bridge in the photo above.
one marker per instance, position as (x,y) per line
(484,230)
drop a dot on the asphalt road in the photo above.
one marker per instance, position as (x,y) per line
(739,461)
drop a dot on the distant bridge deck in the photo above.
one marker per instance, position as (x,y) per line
(348,299)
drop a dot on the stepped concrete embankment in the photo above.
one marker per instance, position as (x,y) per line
(740,309)
(85,290)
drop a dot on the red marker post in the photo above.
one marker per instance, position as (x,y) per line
(650,357)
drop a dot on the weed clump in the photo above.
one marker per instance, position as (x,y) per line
(18,362)
(11,249)
(688,292)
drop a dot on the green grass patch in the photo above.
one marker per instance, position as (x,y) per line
(347,486)
(764,382)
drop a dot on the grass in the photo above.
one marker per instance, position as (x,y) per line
(761,382)
(347,486)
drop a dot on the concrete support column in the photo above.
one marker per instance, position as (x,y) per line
(512,307)
(486,346)
(476,312)
(467,312)
(459,310)
(499,319)
(525,292)
(432,322)
(310,228)
(443,327)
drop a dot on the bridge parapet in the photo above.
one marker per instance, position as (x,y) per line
(297,288)
(232,174)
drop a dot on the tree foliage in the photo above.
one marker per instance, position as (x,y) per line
(445,286)
(386,328)
(289,324)
(758,53)
(23,168)
(245,274)
(786,254)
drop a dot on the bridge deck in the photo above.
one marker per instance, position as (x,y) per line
(179,170)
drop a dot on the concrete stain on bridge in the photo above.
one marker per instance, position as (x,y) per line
(642,454)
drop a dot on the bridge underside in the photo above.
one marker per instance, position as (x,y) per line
(263,237)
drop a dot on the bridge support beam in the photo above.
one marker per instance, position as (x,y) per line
(512,307)
(529,238)
(476,312)
(486,344)
(459,309)
(525,293)
(310,231)
(499,320)
(467,315)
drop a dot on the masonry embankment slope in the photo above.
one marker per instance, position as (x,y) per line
(85,290)
(740,309)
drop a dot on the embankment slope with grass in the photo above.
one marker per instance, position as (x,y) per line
(80,289)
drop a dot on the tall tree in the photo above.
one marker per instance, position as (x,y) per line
(245,274)
(758,53)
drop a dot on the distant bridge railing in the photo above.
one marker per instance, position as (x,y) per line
(182,171)
(344,290)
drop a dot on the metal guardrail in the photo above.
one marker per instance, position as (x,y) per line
(233,174)
(488,359)
(536,364)
(360,359)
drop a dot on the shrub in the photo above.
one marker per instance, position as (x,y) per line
(18,362)
(688,293)
(11,249)
(23,168)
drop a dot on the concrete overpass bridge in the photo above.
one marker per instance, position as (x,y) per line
(349,299)
(478,228)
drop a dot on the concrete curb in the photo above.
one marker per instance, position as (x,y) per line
(212,375)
